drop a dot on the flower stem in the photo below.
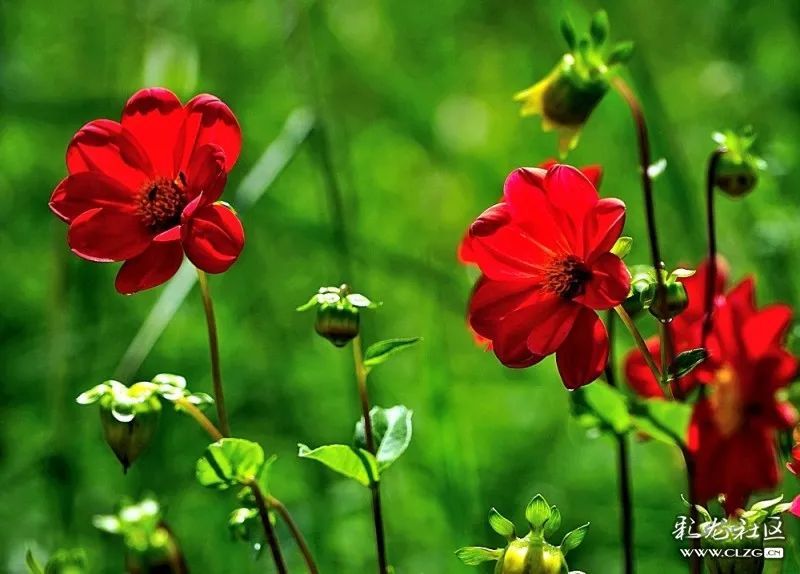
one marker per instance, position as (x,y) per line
(711,279)
(271,501)
(695,563)
(637,337)
(272,539)
(213,345)
(377,513)
(666,358)
(647,183)
(623,463)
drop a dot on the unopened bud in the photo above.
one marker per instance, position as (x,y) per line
(669,301)
(337,313)
(735,176)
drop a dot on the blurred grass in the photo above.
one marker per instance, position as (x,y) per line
(417,134)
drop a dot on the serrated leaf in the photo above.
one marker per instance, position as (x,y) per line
(381,351)
(666,421)
(32,564)
(686,361)
(574,538)
(229,462)
(474,555)
(553,523)
(355,463)
(622,247)
(391,429)
(537,512)
(502,525)
(606,404)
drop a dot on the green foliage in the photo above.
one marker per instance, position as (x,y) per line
(502,525)
(537,513)
(602,406)
(391,429)
(573,538)
(686,362)
(355,463)
(380,352)
(230,462)
(666,421)
(474,555)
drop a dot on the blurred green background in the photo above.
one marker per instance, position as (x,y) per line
(412,131)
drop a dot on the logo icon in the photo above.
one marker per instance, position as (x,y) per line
(773,552)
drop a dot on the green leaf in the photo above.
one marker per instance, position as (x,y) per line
(351,462)
(502,525)
(622,247)
(554,522)
(474,555)
(620,54)
(32,564)
(391,429)
(229,462)
(686,361)
(767,504)
(574,538)
(606,405)
(381,351)
(538,512)
(667,421)
(599,27)
(568,32)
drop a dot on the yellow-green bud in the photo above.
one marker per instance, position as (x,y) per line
(525,557)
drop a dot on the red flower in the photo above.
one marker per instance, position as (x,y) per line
(732,430)
(145,190)
(544,253)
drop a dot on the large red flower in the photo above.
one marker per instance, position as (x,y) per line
(544,253)
(145,190)
(732,431)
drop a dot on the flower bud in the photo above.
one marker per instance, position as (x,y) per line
(337,313)
(736,171)
(129,416)
(525,557)
(669,301)
(731,564)
(336,322)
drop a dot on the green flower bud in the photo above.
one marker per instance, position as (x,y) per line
(735,176)
(737,169)
(568,95)
(129,416)
(669,301)
(337,313)
(525,557)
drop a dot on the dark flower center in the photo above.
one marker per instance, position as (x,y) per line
(161,202)
(567,277)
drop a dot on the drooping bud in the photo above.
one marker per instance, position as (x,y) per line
(738,168)
(129,416)
(531,554)
(337,313)
(151,546)
(568,95)
(666,300)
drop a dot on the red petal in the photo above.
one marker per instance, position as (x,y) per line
(570,191)
(155,265)
(510,345)
(550,319)
(208,120)
(603,226)
(766,329)
(523,190)
(638,374)
(107,147)
(609,285)
(206,173)
(491,301)
(795,508)
(464,253)
(90,189)
(213,238)
(510,254)
(584,354)
(696,286)
(594,173)
(106,235)
(154,116)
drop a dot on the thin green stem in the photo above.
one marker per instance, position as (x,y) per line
(623,464)
(213,346)
(637,338)
(377,512)
(666,358)
(271,501)
(272,539)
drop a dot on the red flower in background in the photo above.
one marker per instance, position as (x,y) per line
(145,190)
(733,425)
(544,253)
